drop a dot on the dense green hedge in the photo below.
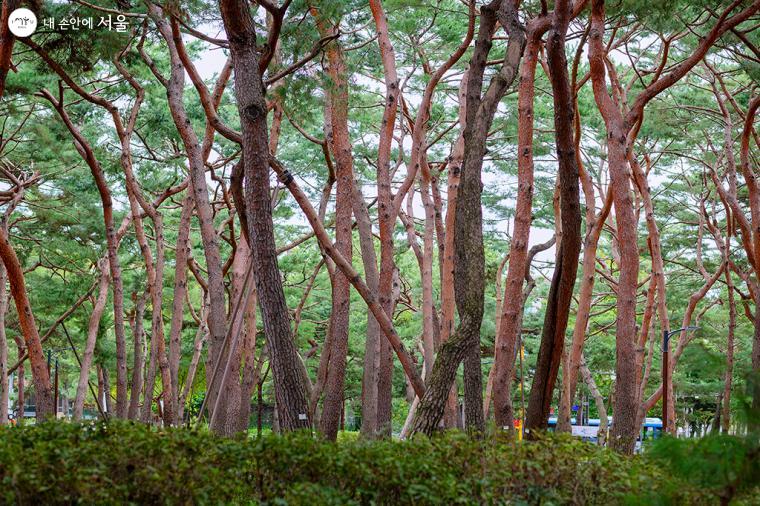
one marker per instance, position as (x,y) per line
(131,463)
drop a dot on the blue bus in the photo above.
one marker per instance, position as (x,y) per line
(651,429)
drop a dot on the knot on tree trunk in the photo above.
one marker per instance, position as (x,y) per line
(254,112)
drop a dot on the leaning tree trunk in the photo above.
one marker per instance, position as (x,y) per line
(200,338)
(92,335)
(112,243)
(40,375)
(249,376)
(598,400)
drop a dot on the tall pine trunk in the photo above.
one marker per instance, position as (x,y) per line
(340,144)
(512,310)
(290,391)
(563,278)
(4,384)
(623,436)
(469,260)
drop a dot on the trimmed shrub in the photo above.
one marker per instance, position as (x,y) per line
(128,463)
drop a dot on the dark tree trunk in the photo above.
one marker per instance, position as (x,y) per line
(138,364)
(474,420)
(519,263)
(6,40)
(290,391)
(469,259)
(563,279)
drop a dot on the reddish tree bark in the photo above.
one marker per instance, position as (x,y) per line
(370,298)
(754,197)
(375,380)
(112,242)
(386,217)
(249,375)
(124,132)
(92,334)
(199,188)
(655,248)
(40,376)
(598,400)
(389,205)
(725,248)
(623,436)
(6,41)
(621,132)
(506,340)
(530,285)
(200,338)
(683,339)
(594,225)
(750,234)
(340,144)
(4,385)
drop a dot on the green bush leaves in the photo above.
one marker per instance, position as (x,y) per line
(127,463)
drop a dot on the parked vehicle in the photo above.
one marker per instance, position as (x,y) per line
(651,429)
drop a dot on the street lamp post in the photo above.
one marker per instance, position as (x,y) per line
(666,370)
